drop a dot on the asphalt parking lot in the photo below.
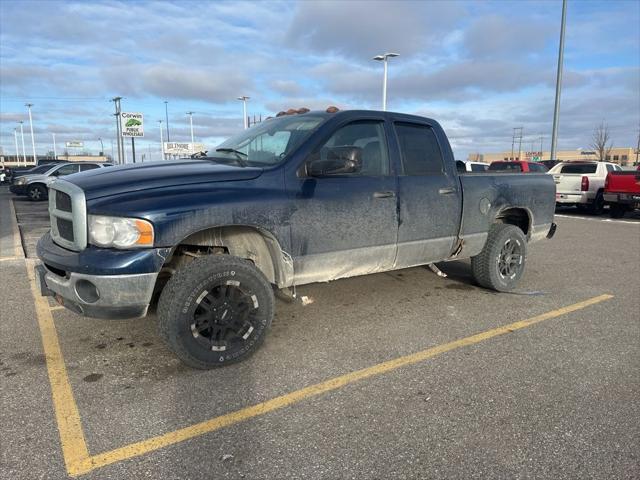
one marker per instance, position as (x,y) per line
(441,388)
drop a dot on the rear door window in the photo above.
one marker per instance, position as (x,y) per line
(579,168)
(421,153)
(66,170)
(88,166)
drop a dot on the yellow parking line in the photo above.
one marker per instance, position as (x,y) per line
(5,259)
(74,448)
(56,307)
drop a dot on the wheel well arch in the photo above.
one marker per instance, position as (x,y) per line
(245,241)
(518,216)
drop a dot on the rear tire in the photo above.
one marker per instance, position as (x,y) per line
(37,193)
(616,210)
(597,207)
(501,263)
(215,310)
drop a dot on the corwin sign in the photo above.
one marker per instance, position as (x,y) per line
(132,124)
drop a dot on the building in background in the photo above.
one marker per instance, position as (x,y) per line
(624,156)
(12,161)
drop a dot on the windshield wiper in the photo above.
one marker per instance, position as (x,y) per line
(240,156)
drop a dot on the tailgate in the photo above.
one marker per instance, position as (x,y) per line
(568,182)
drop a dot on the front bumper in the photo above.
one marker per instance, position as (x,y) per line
(99,296)
(18,189)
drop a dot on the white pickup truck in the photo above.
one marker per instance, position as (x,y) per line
(582,184)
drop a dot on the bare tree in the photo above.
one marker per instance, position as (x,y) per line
(601,141)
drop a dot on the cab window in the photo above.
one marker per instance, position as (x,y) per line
(420,150)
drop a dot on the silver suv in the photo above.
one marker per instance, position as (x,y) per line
(35,185)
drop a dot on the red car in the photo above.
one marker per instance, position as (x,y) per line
(518,166)
(622,192)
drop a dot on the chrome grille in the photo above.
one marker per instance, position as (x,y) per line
(68,215)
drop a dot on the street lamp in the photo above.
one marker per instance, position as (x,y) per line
(55,151)
(244,99)
(383,58)
(191,124)
(161,141)
(101,147)
(166,114)
(33,143)
(24,151)
(15,134)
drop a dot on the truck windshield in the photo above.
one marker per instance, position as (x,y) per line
(269,142)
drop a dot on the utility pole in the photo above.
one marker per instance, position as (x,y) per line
(517,134)
(541,137)
(245,120)
(638,146)
(55,150)
(520,146)
(191,123)
(116,102)
(166,114)
(133,148)
(33,143)
(161,142)
(24,150)
(556,109)
(101,147)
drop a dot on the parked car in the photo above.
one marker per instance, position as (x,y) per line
(549,163)
(622,192)
(582,184)
(294,200)
(18,172)
(471,166)
(517,166)
(34,184)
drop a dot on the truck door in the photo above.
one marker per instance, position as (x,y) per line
(345,224)
(430,197)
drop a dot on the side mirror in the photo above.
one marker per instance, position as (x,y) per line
(339,161)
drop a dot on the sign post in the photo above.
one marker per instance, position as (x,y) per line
(132,125)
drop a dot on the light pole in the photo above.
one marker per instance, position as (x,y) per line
(33,143)
(166,114)
(556,109)
(161,142)
(15,134)
(24,151)
(55,151)
(191,124)
(101,147)
(384,59)
(244,99)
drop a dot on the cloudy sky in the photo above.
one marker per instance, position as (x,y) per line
(480,68)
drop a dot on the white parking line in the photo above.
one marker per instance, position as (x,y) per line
(610,220)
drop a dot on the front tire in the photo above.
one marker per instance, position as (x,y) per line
(37,193)
(215,310)
(501,263)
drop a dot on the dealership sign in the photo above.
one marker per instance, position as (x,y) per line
(74,144)
(173,148)
(132,124)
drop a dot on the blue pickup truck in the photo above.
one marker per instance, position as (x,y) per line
(297,199)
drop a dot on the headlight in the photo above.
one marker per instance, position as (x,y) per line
(120,232)
(21,181)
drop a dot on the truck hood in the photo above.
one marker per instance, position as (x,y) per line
(103,182)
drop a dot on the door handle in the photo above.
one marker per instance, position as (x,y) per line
(387,194)
(447,191)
